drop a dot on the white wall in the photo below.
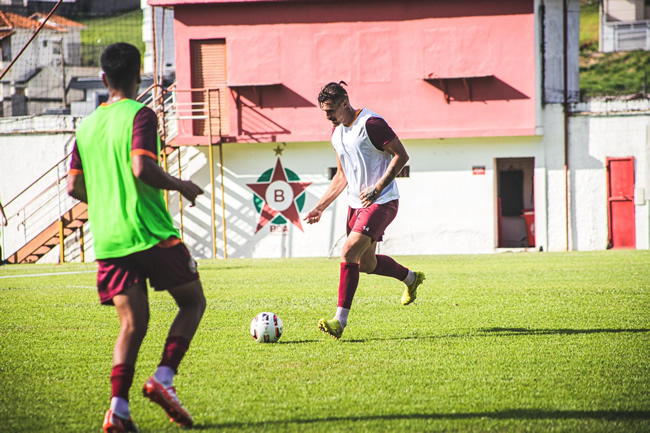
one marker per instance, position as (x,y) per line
(24,159)
(30,59)
(599,131)
(624,10)
(444,207)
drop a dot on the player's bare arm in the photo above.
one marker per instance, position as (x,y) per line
(77,187)
(336,187)
(148,171)
(397,163)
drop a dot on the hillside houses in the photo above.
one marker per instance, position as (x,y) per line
(35,83)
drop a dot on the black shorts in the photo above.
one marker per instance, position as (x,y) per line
(165,268)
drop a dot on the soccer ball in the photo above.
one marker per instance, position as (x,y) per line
(266,328)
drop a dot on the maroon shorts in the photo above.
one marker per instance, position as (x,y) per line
(165,268)
(372,220)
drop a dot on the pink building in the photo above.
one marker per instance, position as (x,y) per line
(466,85)
(433,69)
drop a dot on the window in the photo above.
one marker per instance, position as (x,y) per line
(208,69)
(6,50)
(44,44)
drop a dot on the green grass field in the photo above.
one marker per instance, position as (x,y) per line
(589,22)
(532,342)
(103,31)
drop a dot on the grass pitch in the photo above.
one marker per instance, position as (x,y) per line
(100,32)
(508,342)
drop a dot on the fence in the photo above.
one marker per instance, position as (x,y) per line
(58,72)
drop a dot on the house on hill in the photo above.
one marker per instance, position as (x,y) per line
(624,25)
(55,49)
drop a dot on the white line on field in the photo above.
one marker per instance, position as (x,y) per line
(46,275)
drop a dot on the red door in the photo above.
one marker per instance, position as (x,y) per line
(620,202)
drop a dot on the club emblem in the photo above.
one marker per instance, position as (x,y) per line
(278,196)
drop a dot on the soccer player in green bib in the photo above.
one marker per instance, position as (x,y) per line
(115,170)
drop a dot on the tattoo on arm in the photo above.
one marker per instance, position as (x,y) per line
(388,177)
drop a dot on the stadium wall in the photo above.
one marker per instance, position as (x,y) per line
(601,130)
(445,208)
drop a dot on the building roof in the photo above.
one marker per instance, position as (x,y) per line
(11,21)
(57,21)
(5,33)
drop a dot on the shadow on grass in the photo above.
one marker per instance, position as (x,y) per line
(506,332)
(298,341)
(511,414)
(561,331)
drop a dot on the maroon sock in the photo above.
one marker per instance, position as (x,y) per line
(121,380)
(348,283)
(174,351)
(388,267)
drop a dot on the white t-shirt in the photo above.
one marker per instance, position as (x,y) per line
(363,164)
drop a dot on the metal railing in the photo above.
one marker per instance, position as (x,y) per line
(198,113)
(46,199)
(626,35)
(36,207)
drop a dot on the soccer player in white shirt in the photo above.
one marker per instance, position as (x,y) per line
(369,157)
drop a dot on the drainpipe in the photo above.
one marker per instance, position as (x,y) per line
(565,104)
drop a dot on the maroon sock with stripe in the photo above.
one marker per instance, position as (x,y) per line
(388,267)
(174,351)
(121,380)
(348,283)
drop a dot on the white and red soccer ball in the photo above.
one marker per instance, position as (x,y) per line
(266,328)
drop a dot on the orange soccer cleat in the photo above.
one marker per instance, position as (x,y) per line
(116,424)
(167,399)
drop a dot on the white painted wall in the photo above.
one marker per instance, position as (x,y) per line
(599,131)
(444,207)
(624,10)
(25,158)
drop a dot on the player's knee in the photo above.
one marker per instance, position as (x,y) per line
(197,304)
(367,267)
(136,325)
(201,304)
(349,255)
(199,298)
